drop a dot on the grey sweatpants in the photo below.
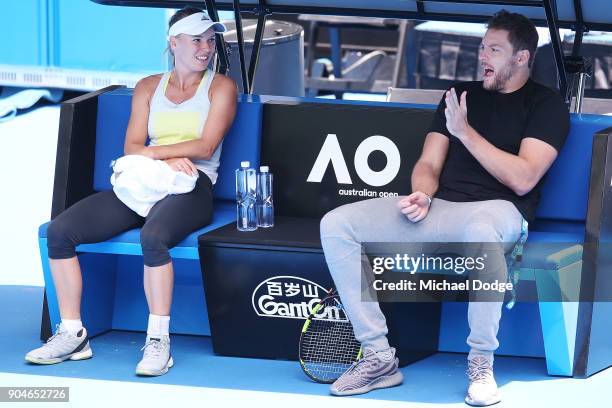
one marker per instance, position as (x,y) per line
(344,229)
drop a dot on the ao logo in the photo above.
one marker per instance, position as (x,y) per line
(331,152)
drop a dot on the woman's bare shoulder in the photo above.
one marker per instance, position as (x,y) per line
(148,84)
(224,84)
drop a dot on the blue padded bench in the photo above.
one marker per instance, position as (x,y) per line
(120,303)
(562,217)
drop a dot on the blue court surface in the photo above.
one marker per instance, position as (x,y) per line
(439,379)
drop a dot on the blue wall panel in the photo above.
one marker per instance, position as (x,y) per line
(80,34)
(23,32)
(86,35)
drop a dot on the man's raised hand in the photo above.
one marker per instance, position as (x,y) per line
(456,114)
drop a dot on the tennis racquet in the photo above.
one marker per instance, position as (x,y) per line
(327,344)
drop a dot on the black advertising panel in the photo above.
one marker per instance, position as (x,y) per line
(325,155)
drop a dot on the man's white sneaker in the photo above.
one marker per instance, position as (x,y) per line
(482,390)
(373,371)
(156,359)
(63,345)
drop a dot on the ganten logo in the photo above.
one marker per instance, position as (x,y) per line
(292,297)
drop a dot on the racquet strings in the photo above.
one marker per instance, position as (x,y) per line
(329,347)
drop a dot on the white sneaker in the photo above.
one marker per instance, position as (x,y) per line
(156,359)
(482,390)
(63,345)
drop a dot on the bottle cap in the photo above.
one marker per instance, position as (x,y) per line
(245,164)
(264,169)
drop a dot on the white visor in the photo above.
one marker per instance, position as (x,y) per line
(195,24)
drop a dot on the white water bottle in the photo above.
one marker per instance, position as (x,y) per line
(265,203)
(246,182)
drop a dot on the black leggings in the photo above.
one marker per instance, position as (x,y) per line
(102,216)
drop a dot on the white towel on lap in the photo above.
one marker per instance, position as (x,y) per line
(140,182)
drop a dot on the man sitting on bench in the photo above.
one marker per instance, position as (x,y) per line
(478,178)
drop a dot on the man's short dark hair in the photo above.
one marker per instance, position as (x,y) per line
(522,33)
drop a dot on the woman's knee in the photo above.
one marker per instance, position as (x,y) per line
(155,243)
(154,238)
(61,240)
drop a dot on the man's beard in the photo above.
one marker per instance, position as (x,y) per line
(501,78)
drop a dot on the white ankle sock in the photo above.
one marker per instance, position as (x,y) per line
(158,325)
(73,326)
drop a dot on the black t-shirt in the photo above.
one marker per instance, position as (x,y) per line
(504,120)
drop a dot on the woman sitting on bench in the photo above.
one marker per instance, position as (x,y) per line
(185,113)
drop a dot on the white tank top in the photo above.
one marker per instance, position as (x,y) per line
(171,123)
